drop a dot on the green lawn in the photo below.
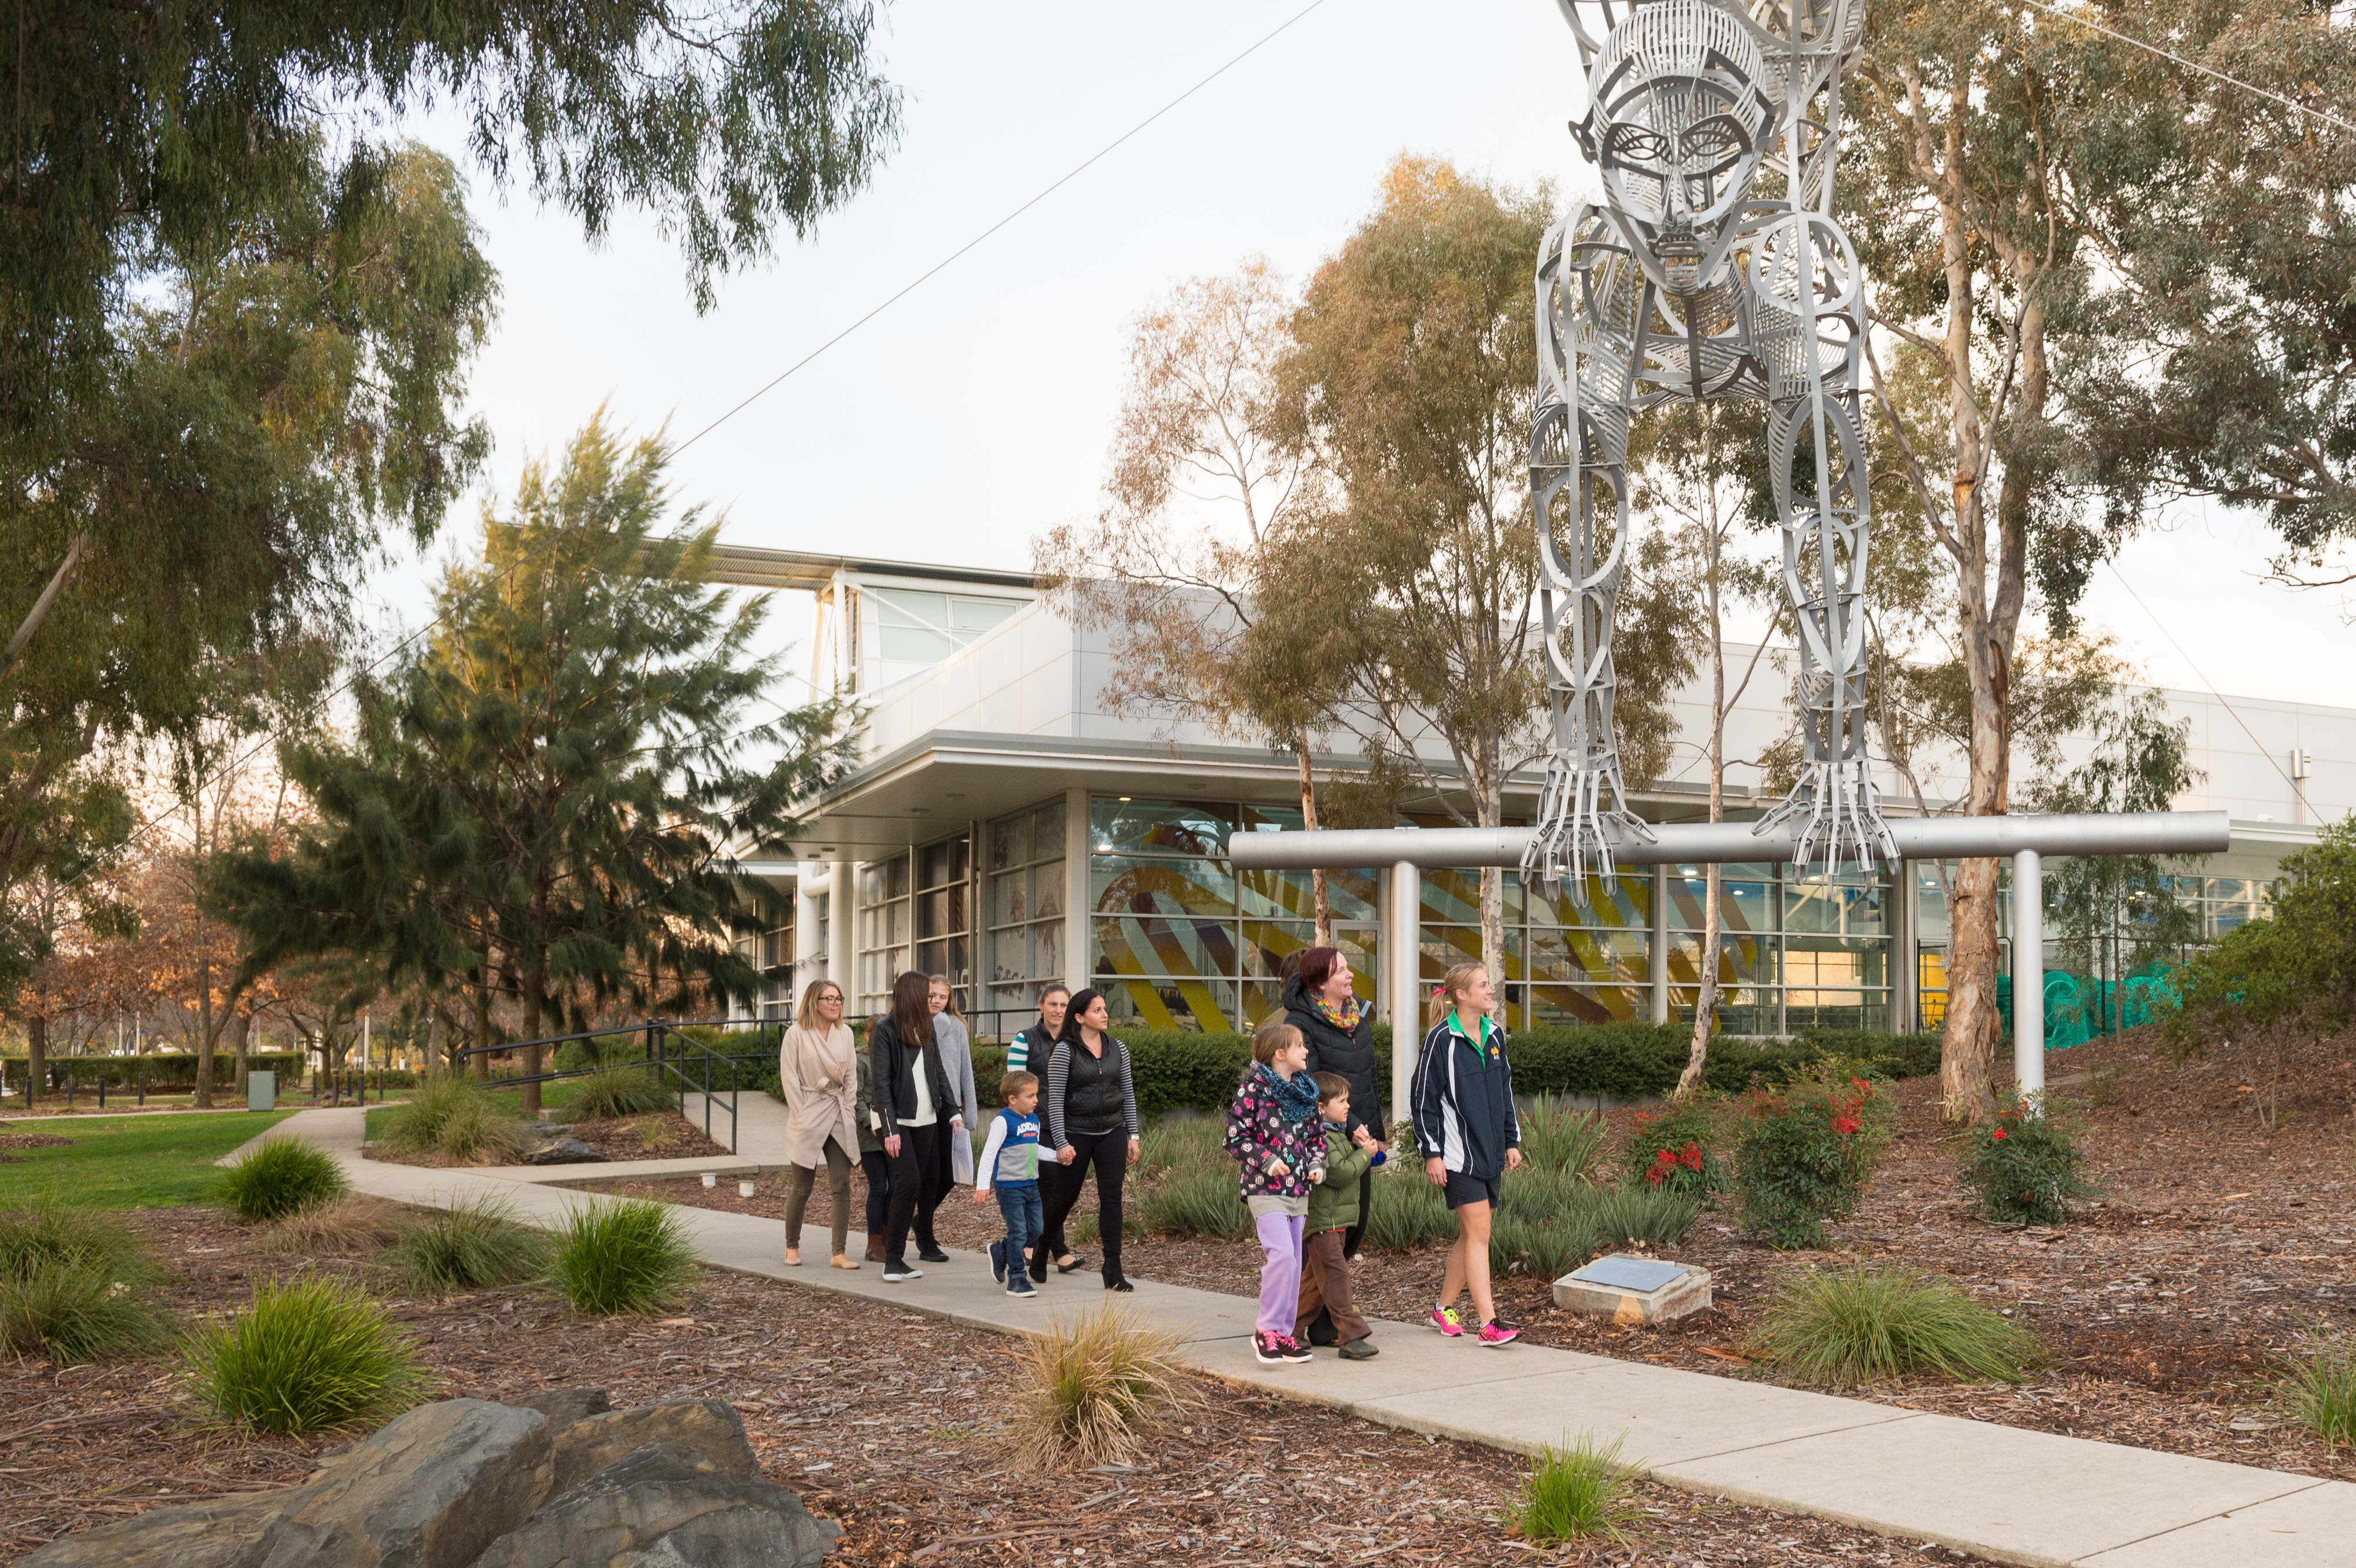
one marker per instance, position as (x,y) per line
(128,1162)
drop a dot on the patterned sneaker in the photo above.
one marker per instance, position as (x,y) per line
(1445,1319)
(1292,1351)
(1497,1331)
(1268,1349)
(998,1262)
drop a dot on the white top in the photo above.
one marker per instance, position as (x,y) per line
(925,1116)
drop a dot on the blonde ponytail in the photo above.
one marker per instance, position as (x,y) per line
(1451,985)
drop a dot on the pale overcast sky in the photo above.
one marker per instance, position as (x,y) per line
(976,411)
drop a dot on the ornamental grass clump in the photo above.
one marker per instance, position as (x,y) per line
(76,1286)
(476,1244)
(308,1355)
(1857,1325)
(1557,1136)
(351,1226)
(1408,1211)
(2319,1384)
(2023,1165)
(624,1256)
(456,1118)
(1579,1491)
(1674,1149)
(1804,1155)
(625,1089)
(284,1175)
(1097,1390)
(1198,1203)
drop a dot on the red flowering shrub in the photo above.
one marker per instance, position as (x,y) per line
(1804,1155)
(1671,1149)
(2024,1165)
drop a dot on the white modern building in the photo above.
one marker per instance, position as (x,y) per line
(1005,830)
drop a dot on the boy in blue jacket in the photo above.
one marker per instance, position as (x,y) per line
(1009,1166)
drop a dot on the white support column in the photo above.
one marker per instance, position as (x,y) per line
(1078,904)
(810,897)
(841,934)
(1403,963)
(1905,952)
(2028,974)
(1660,944)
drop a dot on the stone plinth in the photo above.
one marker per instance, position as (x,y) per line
(1630,1291)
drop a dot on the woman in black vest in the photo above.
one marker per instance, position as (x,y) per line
(1088,1118)
(913,1097)
(1339,1033)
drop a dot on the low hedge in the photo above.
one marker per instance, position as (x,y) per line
(1175,1068)
(165,1070)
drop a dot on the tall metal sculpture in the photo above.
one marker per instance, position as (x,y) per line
(1690,281)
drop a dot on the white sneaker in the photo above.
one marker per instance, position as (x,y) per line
(892,1277)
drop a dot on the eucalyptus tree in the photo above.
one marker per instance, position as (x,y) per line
(557,788)
(235,314)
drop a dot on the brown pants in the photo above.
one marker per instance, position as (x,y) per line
(1325,1282)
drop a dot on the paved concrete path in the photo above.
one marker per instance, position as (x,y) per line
(1998,1492)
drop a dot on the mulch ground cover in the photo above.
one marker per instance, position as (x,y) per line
(890,1422)
(2226,1228)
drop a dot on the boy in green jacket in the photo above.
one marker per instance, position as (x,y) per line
(1332,1210)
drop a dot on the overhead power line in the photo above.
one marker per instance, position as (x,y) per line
(2290,103)
(2204,679)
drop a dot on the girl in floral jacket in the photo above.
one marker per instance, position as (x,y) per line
(1272,1131)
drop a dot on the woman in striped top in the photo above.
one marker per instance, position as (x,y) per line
(1091,1120)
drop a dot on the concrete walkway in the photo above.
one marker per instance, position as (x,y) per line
(1998,1492)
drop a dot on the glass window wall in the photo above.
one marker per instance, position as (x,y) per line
(1024,890)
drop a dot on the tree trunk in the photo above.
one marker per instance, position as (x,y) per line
(241,1031)
(1318,888)
(1489,811)
(533,998)
(36,1056)
(204,1097)
(1706,991)
(483,1026)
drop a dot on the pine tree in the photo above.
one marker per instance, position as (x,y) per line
(557,788)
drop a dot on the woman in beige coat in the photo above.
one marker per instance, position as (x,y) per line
(819,1072)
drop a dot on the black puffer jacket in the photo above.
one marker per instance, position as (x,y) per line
(1330,1051)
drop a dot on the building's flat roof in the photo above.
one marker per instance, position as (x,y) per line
(753,566)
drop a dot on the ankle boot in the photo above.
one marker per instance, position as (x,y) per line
(875,1249)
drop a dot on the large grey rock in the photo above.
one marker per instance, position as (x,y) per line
(661,1507)
(564,1151)
(563,1406)
(708,1428)
(430,1490)
(210,1534)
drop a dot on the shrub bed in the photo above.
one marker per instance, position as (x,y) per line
(1195,1070)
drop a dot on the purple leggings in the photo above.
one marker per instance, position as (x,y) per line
(1279,1271)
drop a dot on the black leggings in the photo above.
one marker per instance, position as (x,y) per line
(877,1166)
(1108,1152)
(916,1189)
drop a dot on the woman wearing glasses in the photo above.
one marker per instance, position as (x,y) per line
(819,1072)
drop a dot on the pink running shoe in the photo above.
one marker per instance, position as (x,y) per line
(1445,1319)
(1497,1331)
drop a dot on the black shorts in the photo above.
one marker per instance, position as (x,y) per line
(1463,1189)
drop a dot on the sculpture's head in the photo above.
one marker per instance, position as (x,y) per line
(1680,109)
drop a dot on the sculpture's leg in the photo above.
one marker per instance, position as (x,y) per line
(1833,808)
(1583,807)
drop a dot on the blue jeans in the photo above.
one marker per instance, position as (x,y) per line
(1026,1217)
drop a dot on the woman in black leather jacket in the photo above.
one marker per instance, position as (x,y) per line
(915,1100)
